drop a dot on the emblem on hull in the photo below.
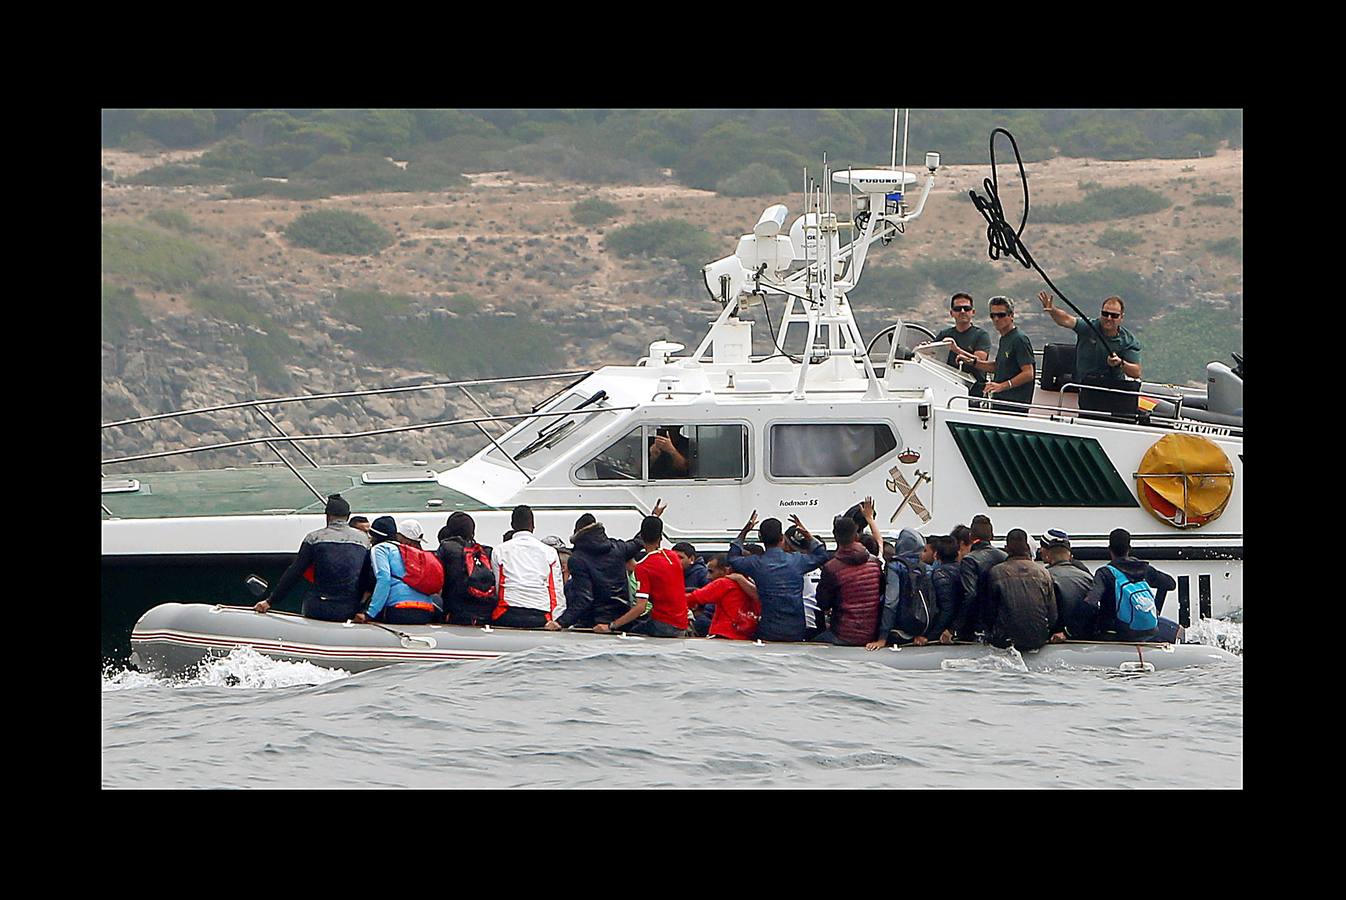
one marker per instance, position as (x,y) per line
(898,484)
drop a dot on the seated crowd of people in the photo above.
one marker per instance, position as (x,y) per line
(867,591)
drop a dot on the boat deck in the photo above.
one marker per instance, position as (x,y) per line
(273,490)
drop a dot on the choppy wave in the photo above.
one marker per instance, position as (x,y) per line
(243,668)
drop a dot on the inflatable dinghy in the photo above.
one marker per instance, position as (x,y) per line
(175,638)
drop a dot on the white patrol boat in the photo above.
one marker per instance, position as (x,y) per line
(809,429)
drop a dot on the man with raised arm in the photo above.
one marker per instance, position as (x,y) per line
(598,584)
(779,577)
(1098,364)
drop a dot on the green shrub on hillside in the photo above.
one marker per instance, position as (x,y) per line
(259,187)
(1178,345)
(179,175)
(1119,241)
(172,219)
(1102,205)
(593,211)
(150,257)
(120,311)
(337,231)
(755,180)
(1088,289)
(1213,200)
(394,331)
(671,238)
(899,288)
(1230,246)
(169,127)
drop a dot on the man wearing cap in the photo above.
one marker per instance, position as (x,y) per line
(1072,580)
(338,556)
(393,600)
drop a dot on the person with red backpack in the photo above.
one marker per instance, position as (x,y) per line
(469,583)
(407,578)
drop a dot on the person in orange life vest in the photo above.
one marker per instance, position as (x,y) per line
(734,596)
(393,600)
(660,576)
(528,578)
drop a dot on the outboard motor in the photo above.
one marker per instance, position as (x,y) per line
(1224,389)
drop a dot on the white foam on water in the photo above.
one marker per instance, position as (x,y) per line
(1223,633)
(994,660)
(243,668)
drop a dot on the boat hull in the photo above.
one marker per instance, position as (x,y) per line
(175,638)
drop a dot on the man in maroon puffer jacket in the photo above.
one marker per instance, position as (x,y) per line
(850,587)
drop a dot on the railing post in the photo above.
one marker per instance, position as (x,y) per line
(276,425)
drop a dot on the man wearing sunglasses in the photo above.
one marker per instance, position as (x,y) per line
(1013,366)
(970,343)
(1096,364)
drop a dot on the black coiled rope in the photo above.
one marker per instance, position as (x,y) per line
(1003,240)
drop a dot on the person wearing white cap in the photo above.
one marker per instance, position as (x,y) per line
(407,579)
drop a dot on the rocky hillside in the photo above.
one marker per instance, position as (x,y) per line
(208,299)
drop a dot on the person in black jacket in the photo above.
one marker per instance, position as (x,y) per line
(1103,594)
(336,559)
(461,607)
(1072,579)
(976,563)
(598,585)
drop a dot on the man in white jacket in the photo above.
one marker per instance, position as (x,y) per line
(528,578)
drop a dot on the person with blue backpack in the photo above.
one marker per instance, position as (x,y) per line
(1129,594)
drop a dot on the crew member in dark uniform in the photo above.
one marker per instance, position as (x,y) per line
(970,343)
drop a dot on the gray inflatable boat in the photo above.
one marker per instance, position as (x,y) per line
(174,638)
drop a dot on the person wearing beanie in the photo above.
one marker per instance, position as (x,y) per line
(1021,599)
(393,600)
(335,558)
(469,597)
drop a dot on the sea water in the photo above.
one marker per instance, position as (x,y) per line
(561,717)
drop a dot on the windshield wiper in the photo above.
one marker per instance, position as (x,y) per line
(552,434)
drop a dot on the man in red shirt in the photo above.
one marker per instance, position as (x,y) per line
(737,609)
(660,577)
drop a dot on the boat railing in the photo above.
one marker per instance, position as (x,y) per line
(294,440)
(250,442)
(1099,417)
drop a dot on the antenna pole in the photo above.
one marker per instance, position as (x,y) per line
(894,163)
(906,130)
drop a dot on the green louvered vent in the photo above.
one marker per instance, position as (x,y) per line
(1026,468)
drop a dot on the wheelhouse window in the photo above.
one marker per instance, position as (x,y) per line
(827,450)
(672,452)
(537,442)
